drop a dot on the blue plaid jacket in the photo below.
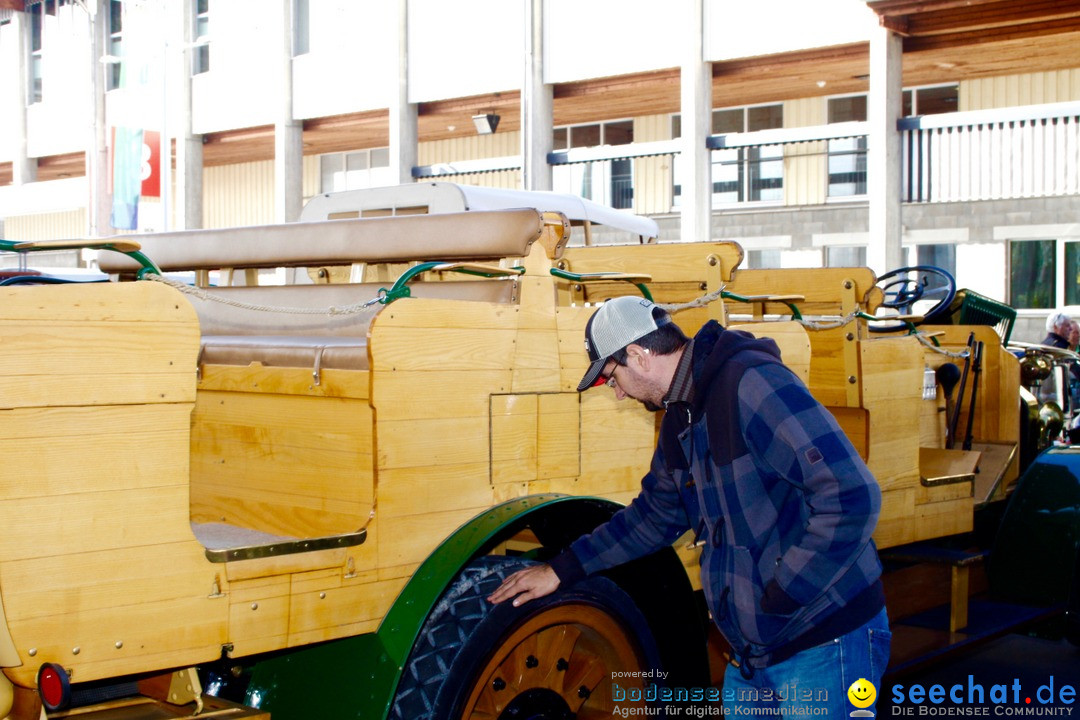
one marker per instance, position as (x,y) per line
(768,480)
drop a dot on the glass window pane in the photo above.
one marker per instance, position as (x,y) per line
(1072,273)
(938,255)
(907,110)
(766,169)
(585,136)
(847,167)
(203,6)
(676,127)
(619,133)
(763,258)
(622,183)
(116,17)
(727,121)
(845,256)
(765,117)
(558,139)
(937,100)
(1032,271)
(301,27)
(727,175)
(331,173)
(380,157)
(846,109)
(356,161)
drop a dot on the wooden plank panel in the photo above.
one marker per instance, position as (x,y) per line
(31,390)
(70,450)
(299,516)
(426,394)
(103,579)
(148,633)
(287,381)
(258,625)
(44,527)
(423,489)
(448,348)
(431,314)
(85,302)
(892,393)
(445,441)
(513,438)
(559,437)
(410,539)
(334,610)
(314,561)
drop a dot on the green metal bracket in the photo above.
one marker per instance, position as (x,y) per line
(127,247)
(400,289)
(586,277)
(795,314)
(358,676)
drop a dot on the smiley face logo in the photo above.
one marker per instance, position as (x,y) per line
(862,693)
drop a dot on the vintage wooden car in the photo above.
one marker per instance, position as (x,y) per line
(297,496)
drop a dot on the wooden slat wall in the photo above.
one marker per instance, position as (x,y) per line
(98,564)
(47,226)
(237,195)
(805,164)
(653,191)
(1027,89)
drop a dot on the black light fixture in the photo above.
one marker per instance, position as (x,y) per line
(485,124)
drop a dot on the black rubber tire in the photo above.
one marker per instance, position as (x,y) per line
(464,631)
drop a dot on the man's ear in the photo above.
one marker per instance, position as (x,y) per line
(638,354)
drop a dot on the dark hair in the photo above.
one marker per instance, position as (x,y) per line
(664,340)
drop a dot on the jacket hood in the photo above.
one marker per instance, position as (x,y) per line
(714,347)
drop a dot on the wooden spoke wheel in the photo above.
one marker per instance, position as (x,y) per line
(558,664)
(555,658)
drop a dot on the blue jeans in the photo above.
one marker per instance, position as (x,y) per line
(818,677)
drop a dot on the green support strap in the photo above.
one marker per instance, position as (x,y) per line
(795,314)
(586,277)
(400,288)
(127,247)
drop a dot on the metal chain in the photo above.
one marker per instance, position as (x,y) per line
(211,297)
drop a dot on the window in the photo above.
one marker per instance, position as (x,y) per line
(354,170)
(845,256)
(37,26)
(941,255)
(609,182)
(1032,272)
(931,100)
(847,156)
(116,50)
(753,174)
(1044,274)
(763,258)
(301,27)
(200,57)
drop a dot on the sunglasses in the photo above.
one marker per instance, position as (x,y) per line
(606,378)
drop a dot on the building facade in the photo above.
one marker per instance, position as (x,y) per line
(831,132)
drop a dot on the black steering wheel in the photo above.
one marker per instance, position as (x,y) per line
(923,290)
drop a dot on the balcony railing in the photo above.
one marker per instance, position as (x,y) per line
(1019,152)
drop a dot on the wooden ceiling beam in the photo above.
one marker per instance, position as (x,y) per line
(993,15)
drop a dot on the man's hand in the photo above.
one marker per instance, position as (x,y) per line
(528,584)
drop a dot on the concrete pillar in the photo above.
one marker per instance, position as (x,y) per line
(883,156)
(537,101)
(288,134)
(24,167)
(188,209)
(695,104)
(404,132)
(99,201)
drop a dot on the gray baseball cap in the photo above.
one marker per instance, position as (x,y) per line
(616,324)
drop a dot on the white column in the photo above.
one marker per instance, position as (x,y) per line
(696,110)
(537,101)
(884,106)
(24,168)
(99,202)
(404,134)
(188,214)
(288,133)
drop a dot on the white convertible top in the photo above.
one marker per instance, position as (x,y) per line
(441,197)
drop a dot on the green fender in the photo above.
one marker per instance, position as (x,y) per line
(356,677)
